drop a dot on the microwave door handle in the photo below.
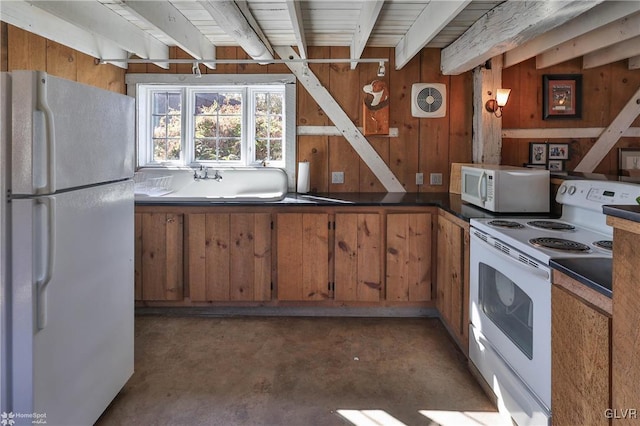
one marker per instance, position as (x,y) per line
(483,176)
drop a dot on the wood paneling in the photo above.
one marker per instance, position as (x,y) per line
(626,317)
(229,256)
(606,90)
(580,375)
(161,256)
(408,258)
(303,256)
(358,245)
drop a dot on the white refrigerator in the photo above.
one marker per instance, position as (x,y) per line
(67,254)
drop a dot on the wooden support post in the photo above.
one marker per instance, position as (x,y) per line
(487,128)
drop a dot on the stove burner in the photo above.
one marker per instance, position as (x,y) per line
(604,244)
(559,244)
(549,224)
(506,224)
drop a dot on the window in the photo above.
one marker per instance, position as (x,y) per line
(216,123)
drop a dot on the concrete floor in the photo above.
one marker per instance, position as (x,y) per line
(297,371)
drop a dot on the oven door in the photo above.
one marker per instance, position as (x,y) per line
(510,297)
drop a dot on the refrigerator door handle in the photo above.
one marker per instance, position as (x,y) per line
(43,283)
(42,104)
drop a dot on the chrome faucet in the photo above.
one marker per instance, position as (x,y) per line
(217,176)
(199,176)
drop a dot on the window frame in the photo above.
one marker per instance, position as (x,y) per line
(141,86)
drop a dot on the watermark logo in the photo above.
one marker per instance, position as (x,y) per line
(6,419)
(9,419)
(621,413)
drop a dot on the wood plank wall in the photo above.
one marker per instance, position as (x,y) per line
(606,90)
(22,50)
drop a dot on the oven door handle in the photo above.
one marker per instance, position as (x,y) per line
(542,273)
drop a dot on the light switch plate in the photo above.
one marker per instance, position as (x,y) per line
(419,178)
(337,177)
(435,178)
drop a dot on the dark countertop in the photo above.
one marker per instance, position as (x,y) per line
(595,273)
(629,212)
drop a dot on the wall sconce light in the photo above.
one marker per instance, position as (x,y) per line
(495,105)
(381,69)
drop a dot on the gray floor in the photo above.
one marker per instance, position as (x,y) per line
(297,371)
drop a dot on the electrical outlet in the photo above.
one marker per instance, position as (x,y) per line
(419,178)
(435,178)
(337,177)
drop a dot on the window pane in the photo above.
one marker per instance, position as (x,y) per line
(166,126)
(205,149)
(229,150)
(205,126)
(262,127)
(262,149)
(276,149)
(166,103)
(275,127)
(207,103)
(230,126)
(275,104)
(166,149)
(261,104)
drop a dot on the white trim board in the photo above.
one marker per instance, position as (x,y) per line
(334,131)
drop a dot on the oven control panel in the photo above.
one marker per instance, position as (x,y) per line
(594,194)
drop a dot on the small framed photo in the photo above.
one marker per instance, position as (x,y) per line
(629,161)
(558,151)
(555,165)
(537,153)
(561,96)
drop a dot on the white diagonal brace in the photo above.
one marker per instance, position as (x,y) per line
(341,120)
(509,25)
(617,52)
(35,20)
(232,20)
(610,136)
(600,15)
(166,18)
(615,32)
(295,16)
(634,63)
(98,19)
(434,17)
(366,21)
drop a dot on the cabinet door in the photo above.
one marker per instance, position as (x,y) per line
(229,256)
(450,276)
(160,268)
(357,257)
(408,257)
(580,379)
(303,256)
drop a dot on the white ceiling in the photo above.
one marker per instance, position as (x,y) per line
(469,32)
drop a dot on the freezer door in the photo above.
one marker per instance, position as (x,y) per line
(67,134)
(72,288)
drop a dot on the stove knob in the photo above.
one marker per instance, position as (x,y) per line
(563,189)
(572,190)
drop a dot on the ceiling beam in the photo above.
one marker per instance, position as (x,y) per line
(233,21)
(509,25)
(295,15)
(341,120)
(610,136)
(166,18)
(617,52)
(98,19)
(433,18)
(600,15)
(366,21)
(615,32)
(44,24)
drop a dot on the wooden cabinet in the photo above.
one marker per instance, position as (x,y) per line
(452,280)
(159,256)
(229,256)
(358,244)
(303,258)
(408,257)
(580,360)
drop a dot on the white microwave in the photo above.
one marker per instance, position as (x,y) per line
(506,189)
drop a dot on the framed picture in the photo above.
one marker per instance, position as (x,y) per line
(537,153)
(558,151)
(555,165)
(629,161)
(561,96)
